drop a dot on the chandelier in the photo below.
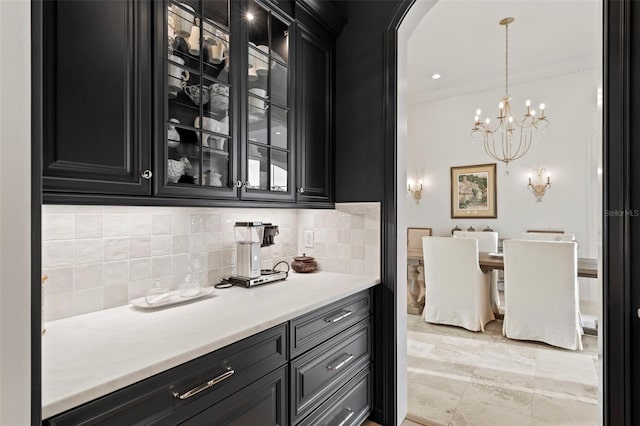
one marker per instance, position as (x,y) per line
(510,138)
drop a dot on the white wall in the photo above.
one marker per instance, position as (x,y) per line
(408,26)
(15,191)
(439,137)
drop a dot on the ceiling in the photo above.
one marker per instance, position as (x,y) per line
(462,41)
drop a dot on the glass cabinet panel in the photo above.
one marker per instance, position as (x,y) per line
(269,148)
(198,131)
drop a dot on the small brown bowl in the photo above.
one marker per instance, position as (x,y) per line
(304,264)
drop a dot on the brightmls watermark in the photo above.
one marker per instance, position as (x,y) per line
(621,213)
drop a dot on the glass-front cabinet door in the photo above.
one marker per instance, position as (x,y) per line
(198,132)
(268,168)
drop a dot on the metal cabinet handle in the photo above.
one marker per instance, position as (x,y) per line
(350,414)
(342,363)
(239,184)
(342,315)
(146,174)
(301,190)
(206,385)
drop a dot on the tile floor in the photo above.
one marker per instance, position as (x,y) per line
(458,377)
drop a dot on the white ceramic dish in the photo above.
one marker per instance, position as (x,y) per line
(496,254)
(173,299)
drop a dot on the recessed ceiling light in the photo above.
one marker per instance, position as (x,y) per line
(249,16)
(435,76)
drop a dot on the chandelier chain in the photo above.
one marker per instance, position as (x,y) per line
(506,62)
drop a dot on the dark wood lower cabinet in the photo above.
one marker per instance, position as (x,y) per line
(351,405)
(263,403)
(254,380)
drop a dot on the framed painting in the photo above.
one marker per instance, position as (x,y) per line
(473,192)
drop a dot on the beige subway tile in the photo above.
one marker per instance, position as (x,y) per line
(58,227)
(60,280)
(161,266)
(115,273)
(161,224)
(115,225)
(57,253)
(180,244)
(114,296)
(115,249)
(88,251)
(86,301)
(87,276)
(139,224)
(139,247)
(139,269)
(161,245)
(58,306)
(88,226)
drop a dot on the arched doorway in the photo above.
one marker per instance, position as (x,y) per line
(618,341)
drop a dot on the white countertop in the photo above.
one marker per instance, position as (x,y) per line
(91,355)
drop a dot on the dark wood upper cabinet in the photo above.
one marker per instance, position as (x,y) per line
(315,136)
(187,102)
(96,96)
(195,139)
(268,166)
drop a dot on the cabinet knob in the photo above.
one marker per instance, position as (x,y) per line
(146,174)
(300,190)
(239,184)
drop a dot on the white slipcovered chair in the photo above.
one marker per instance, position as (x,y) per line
(541,292)
(488,242)
(457,290)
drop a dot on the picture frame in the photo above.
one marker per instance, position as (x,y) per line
(473,192)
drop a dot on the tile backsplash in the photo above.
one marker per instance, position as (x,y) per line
(100,257)
(342,241)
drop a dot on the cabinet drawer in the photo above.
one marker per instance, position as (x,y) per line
(322,371)
(351,405)
(314,328)
(262,403)
(200,383)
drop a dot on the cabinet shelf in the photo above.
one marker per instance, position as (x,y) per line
(207,68)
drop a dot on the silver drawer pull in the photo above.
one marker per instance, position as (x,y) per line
(204,386)
(349,415)
(341,364)
(342,315)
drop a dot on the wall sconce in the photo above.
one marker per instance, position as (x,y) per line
(417,191)
(538,189)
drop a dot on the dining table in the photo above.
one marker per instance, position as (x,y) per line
(587,268)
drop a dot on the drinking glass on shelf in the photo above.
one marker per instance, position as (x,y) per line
(156,294)
(190,287)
